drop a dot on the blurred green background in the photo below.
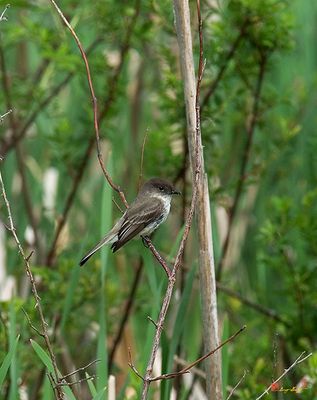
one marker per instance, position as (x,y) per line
(62,205)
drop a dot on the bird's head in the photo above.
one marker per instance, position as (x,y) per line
(158,186)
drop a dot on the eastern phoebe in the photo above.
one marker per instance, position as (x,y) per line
(150,208)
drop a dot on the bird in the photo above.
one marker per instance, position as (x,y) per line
(149,209)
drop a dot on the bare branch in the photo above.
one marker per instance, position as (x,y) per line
(157,255)
(152,320)
(179,255)
(142,158)
(199,360)
(302,357)
(2,16)
(79,369)
(95,106)
(112,85)
(236,385)
(4,115)
(131,365)
(58,392)
(30,323)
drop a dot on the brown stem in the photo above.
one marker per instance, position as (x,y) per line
(44,325)
(245,159)
(199,360)
(157,255)
(112,85)
(95,105)
(179,256)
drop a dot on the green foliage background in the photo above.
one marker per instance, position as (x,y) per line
(272,257)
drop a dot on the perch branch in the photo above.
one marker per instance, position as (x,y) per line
(112,85)
(95,105)
(179,256)
(199,360)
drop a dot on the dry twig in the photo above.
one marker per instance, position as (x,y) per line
(236,385)
(2,16)
(302,357)
(179,257)
(95,105)
(58,391)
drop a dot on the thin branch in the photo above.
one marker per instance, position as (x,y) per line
(69,384)
(199,360)
(117,205)
(179,256)
(183,363)
(190,366)
(142,158)
(112,85)
(157,255)
(58,392)
(30,322)
(2,16)
(245,159)
(152,320)
(298,360)
(132,366)
(95,105)
(236,385)
(80,369)
(4,115)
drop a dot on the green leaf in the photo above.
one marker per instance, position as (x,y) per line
(92,388)
(7,360)
(100,394)
(43,356)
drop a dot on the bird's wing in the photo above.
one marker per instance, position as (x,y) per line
(136,219)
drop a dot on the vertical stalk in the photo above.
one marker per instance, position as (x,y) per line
(203,217)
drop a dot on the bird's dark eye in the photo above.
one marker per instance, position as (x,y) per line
(161,188)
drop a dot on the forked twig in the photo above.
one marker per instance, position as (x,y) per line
(188,367)
(298,360)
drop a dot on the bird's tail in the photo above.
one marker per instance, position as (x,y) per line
(111,237)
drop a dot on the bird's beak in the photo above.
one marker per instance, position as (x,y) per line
(176,192)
